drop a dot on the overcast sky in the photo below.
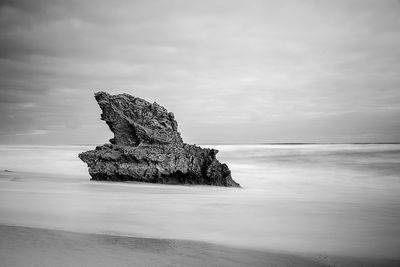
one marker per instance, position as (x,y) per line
(231,71)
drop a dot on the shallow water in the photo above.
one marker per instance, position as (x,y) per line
(334,199)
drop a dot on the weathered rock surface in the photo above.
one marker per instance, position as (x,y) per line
(147,147)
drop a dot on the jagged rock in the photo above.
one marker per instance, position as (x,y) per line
(134,120)
(147,147)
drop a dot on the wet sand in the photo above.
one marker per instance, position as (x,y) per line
(24,246)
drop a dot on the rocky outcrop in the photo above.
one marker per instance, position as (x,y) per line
(147,147)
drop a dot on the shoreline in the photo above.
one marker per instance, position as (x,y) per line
(300,207)
(27,246)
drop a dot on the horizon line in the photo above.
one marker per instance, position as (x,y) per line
(262,143)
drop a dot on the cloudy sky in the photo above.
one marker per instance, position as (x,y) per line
(231,71)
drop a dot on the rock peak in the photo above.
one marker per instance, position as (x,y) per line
(135,121)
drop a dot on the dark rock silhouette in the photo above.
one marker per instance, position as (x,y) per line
(147,147)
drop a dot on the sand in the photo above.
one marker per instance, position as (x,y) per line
(24,246)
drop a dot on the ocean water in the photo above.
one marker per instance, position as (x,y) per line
(339,199)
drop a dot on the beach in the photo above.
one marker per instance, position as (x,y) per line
(308,205)
(21,246)
(200,133)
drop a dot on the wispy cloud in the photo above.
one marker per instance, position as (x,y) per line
(33,132)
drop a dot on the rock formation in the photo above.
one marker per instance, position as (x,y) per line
(147,147)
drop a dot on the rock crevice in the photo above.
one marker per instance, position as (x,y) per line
(147,147)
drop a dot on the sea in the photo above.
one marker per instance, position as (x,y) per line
(337,199)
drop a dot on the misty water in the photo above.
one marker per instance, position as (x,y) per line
(334,199)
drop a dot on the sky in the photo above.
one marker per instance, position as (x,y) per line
(231,71)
